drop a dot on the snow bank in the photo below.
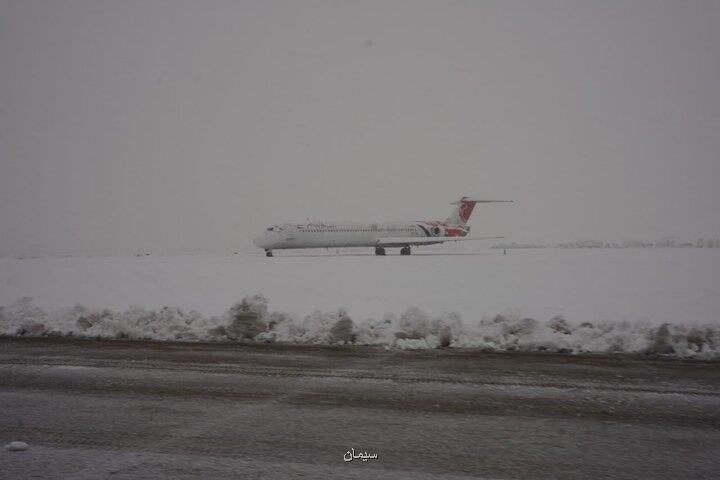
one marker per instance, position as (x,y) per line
(251,320)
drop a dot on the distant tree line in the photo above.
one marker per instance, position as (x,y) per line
(590,243)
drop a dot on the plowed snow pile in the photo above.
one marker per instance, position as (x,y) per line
(251,320)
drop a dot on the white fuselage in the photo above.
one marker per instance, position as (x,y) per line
(339,235)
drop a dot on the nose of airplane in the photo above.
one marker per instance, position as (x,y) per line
(259,241)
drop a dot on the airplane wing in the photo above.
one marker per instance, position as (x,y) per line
(403,241)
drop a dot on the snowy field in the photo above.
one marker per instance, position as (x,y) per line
(608,300)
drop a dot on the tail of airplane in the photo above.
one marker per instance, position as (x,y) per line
(461,214)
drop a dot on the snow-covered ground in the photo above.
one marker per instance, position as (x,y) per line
(627,288)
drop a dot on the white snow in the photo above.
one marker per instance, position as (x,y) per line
(570,300)
(16,446)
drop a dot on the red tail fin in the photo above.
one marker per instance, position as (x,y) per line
(461,213)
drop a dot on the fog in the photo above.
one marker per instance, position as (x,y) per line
(191,125)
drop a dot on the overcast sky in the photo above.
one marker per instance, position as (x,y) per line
(191,125)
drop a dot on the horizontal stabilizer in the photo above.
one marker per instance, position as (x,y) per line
(475,200)
(403,241)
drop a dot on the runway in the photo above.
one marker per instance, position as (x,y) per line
(121,409)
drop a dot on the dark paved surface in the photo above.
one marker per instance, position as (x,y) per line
(116,409)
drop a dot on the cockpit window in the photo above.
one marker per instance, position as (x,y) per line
(270,229)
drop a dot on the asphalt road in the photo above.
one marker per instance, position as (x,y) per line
(120,410)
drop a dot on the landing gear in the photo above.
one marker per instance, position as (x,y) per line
(268,253)
(405,250)
(379,251)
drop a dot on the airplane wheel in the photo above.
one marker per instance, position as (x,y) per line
(268,253)
(379,251)
(405,251)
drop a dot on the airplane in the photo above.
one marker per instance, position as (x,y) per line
(377,235)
